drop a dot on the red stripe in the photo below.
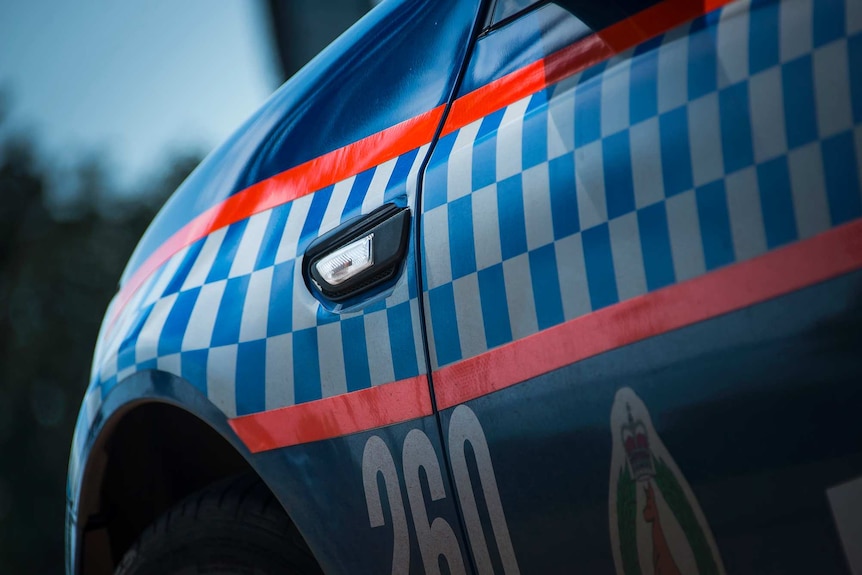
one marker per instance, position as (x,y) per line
(656,20)
(778,272)
(572,59)
(335,416)
(288,186)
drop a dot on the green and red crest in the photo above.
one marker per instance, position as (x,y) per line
(657,526)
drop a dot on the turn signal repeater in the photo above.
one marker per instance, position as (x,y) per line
(359,255)
(346,263)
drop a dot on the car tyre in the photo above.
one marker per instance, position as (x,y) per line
(232,526)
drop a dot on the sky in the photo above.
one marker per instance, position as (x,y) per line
(133,81)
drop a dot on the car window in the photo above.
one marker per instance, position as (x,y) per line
(597,15)
(600,15)
(505,8)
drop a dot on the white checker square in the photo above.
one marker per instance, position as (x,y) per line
(255,310)
(590,185)
(615,95)
(278,384)
(221,378)
(204,262)
(249,245)
(202,320)
(468,313)
(459,166)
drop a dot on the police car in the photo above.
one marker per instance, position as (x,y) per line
(499,287)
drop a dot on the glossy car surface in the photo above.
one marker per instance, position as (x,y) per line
(624,335)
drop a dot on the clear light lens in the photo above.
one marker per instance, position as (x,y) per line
(341,265)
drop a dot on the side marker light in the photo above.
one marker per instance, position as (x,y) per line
(347,262)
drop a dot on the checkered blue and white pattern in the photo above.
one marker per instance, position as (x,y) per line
(231,313)
(727,137)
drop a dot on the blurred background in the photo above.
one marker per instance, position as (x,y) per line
(105,107)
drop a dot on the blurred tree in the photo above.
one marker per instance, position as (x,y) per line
(57,276)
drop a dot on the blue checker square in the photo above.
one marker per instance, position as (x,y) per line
(828,21)
(360,186)
(495,309)
(675,152)
(535,131)
(485,151)
(324,316)
(546,286)
(441,301)
(643,80)
(272,236)
(714,225)
(588,103)
(280,317)
(461,247)
(599,262)
(316,211)
(184,268)
(193,368)
(564,196)
(227,252)
(229,315)
(800,111)
(251,371)
(401,170)
(737,145)
(702,72)
(378,305)
(511,215)
(776,199)
(171,340)
(619,185)
(842,178)
(436,174)
(355,353)
(306,366)
(655,245)
(763,43)
(400,323)
(126,355)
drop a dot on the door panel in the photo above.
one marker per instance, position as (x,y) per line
(586,220)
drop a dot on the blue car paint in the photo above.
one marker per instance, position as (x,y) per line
(317,111)
(549,437)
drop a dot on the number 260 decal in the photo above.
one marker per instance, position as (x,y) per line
(435,536)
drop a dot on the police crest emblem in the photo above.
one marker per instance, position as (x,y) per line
(657,526)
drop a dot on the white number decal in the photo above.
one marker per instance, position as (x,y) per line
(377,459)
(437,538)
(464,427)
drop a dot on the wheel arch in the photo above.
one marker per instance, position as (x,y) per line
(156,440)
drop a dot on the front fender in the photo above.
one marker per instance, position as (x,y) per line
(97,422)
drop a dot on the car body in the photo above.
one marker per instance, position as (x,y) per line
(623,332)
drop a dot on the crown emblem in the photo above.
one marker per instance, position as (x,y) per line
(636,443)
